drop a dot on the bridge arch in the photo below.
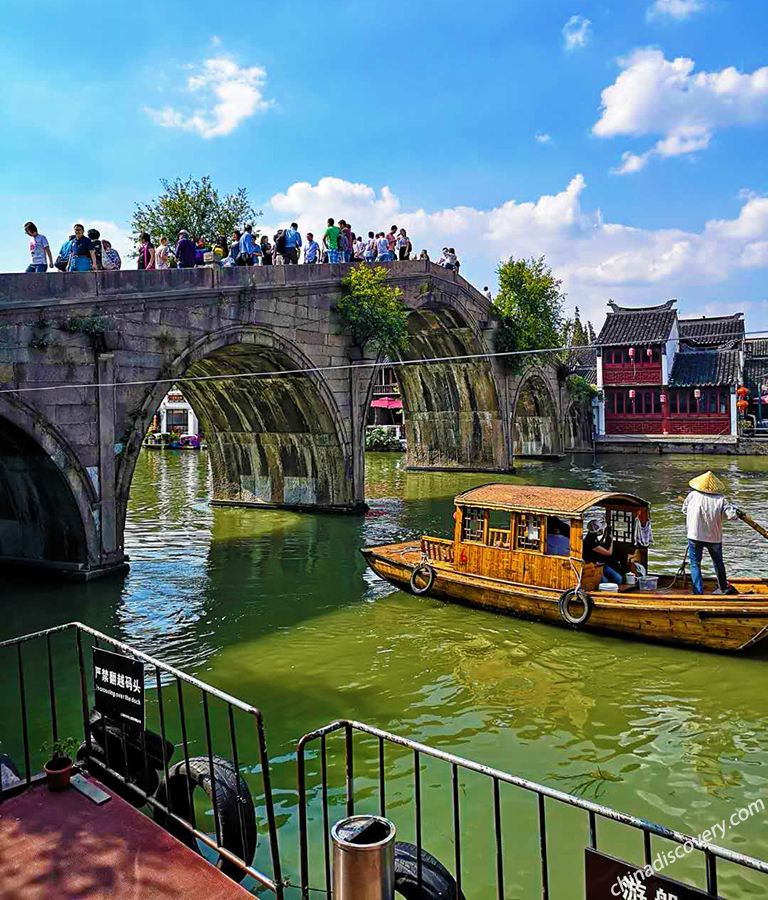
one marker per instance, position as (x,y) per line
(451,410)
(578,426)
(535,427)
(272,440)
(48,503)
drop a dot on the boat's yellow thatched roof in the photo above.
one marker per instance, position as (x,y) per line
(533,498)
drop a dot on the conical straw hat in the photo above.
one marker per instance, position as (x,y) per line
(707,484)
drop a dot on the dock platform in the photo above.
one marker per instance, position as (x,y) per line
(64,846)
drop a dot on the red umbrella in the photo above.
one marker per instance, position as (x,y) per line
(387,403)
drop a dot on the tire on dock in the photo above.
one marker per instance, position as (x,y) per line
(437,883)
(237,816)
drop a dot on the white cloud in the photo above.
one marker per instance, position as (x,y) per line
(225,94)
(596,259)
(653,95)
(674,9)
(577,32)
(543,137)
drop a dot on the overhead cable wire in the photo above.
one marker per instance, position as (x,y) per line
(282,373)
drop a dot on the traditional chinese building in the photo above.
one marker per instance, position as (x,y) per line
(667,377)
(175,414)
(756,380)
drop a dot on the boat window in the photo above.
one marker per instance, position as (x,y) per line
(472,524)
(622,524)
(528,531)
(499,522)
(558,537)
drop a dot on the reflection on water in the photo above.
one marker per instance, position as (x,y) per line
(279,609)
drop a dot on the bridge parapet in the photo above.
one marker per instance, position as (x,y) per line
(63,288)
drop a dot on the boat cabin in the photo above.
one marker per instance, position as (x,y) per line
(534,535)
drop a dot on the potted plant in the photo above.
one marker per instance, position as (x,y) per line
(58,769)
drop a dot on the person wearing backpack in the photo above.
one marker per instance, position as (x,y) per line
(292,245)
(249,250)
(280,245)
(369,252)
(346,245)
(94,234)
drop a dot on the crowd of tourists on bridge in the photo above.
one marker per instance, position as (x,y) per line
(86,251)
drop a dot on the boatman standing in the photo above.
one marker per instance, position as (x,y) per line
(704,508)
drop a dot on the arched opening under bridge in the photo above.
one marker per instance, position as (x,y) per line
(42,520)
(535,426)
(273,441)
(451,410)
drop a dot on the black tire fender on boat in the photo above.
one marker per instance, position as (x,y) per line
(437,883)
(426,570)
(235,813)
(566,598)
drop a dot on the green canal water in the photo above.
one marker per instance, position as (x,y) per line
(278,609)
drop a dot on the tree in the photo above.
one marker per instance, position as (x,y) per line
(194,205)
(591,333)
(530,304)
(373,311)
(579,336)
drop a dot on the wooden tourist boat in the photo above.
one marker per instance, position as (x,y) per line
(504,557)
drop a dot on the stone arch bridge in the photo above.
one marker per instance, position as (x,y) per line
(68,453)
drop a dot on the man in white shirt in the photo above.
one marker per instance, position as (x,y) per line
(704,510)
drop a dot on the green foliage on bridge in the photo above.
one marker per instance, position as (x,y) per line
(373,311)
(530,304)
(195,205)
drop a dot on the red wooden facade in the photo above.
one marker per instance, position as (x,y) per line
(621,368)
(679,412)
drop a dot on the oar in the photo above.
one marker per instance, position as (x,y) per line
(752,524)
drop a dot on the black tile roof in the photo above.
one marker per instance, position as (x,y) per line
(705,368)
(642,325)
(755,375)
(583,362)
(589,374)
(715,331)
(757,347)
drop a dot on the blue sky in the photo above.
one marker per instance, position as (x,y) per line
(626,141)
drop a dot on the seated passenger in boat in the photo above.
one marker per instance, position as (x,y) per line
(558,537)
(594,551)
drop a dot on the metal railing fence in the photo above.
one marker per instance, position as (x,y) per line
(172,688)
(346,728)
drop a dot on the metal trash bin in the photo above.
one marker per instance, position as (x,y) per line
(363,858)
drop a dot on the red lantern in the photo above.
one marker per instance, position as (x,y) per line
(742,405)
(631,352)
(742,391)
